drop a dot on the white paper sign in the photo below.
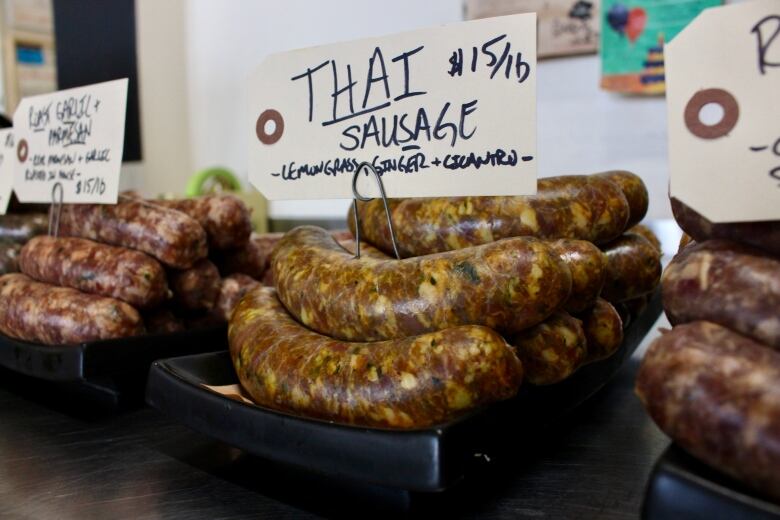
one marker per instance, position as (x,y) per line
(73,137)
(443,111)
(727,60)
(7,150)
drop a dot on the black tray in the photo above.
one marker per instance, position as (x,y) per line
(422,460)
(100,359)
(683,487)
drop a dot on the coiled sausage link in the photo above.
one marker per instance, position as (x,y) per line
(43,313)
(508,285)
(717,394)
(583,207)
(168,235)
(88,266)
(727,283)
(408,383)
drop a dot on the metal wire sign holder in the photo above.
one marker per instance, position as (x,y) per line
(57,194)
(358,197)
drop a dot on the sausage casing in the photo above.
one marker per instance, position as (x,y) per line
(251,259)
(231,290)
(584,207)
(168,235)
(635,191)
(764,235)
(717,394)
(603,328)
(225,218)
(408,383)
(116,272)
(507,285)
(727,283)
(196,288)
(552,350)
(588,267)
(43,313)
(633,268)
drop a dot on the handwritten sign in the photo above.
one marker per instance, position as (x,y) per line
(6,167)
(73,137)
(443,111)
(723,80)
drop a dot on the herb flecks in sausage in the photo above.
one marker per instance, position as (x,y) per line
(507,285)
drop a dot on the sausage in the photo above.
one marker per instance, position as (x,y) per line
(727,283)
(21,228)
(43,313)
(252,258)
(641,229)
(9,257)
(342,234)
(116,272)
(552,350)
(231,290)
(764,235)
(508,285)
(584,207)
(268,278)
(603,330)
(225,218)
(717,394)
(407,383)
(168,235)
(366,249)
(633,268)
(162,321)
(196,288)
(588,266)
(685,240)
(635,192)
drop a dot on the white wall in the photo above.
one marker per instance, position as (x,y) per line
(581,128)
(165,122)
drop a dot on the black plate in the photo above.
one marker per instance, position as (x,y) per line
(683,487)
(108,358)
(421,460)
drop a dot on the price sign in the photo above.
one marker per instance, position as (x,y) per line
(723,99)
(73,137)
(443,111)
(6,167)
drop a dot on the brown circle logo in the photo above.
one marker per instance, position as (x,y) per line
(705,97)
(22,150)
(269,115)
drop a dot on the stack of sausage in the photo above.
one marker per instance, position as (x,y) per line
(712,383)
(123,270)
(491,290)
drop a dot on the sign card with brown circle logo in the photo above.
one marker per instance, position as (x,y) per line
(73,137)
(443,111)
(723,109)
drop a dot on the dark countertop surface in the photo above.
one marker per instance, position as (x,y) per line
(59,461)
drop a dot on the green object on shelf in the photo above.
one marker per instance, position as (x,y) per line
(205,181)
